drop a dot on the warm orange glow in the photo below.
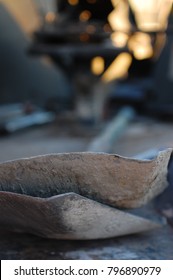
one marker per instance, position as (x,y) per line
(118,68)
(85,15)
(73,2)
(90,29)
(140,45)
(151,15)
(97,65)
(107,28)
(84,37)
(143,53)
(118,18)
(160,42)
(50,17)
(119,39)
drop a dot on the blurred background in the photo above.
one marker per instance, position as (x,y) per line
(85,75)
(88,75)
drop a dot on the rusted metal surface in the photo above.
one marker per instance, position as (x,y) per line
(164,202)
(67,216)
(35,194)
(112,179)
(156,244)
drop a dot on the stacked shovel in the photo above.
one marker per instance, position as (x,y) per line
(79,195)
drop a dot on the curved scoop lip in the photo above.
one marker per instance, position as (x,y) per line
(107,178)
(153,182)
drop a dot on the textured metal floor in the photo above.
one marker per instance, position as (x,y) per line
(152,245)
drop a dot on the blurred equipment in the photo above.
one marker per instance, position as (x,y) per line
(113,130)
(20,116)
(151,15)
(105,48)
(148,35)
(22,77)
(77,38)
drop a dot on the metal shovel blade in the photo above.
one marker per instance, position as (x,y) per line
(106,178)
(67,216)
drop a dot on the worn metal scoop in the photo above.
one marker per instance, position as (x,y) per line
(64,195)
